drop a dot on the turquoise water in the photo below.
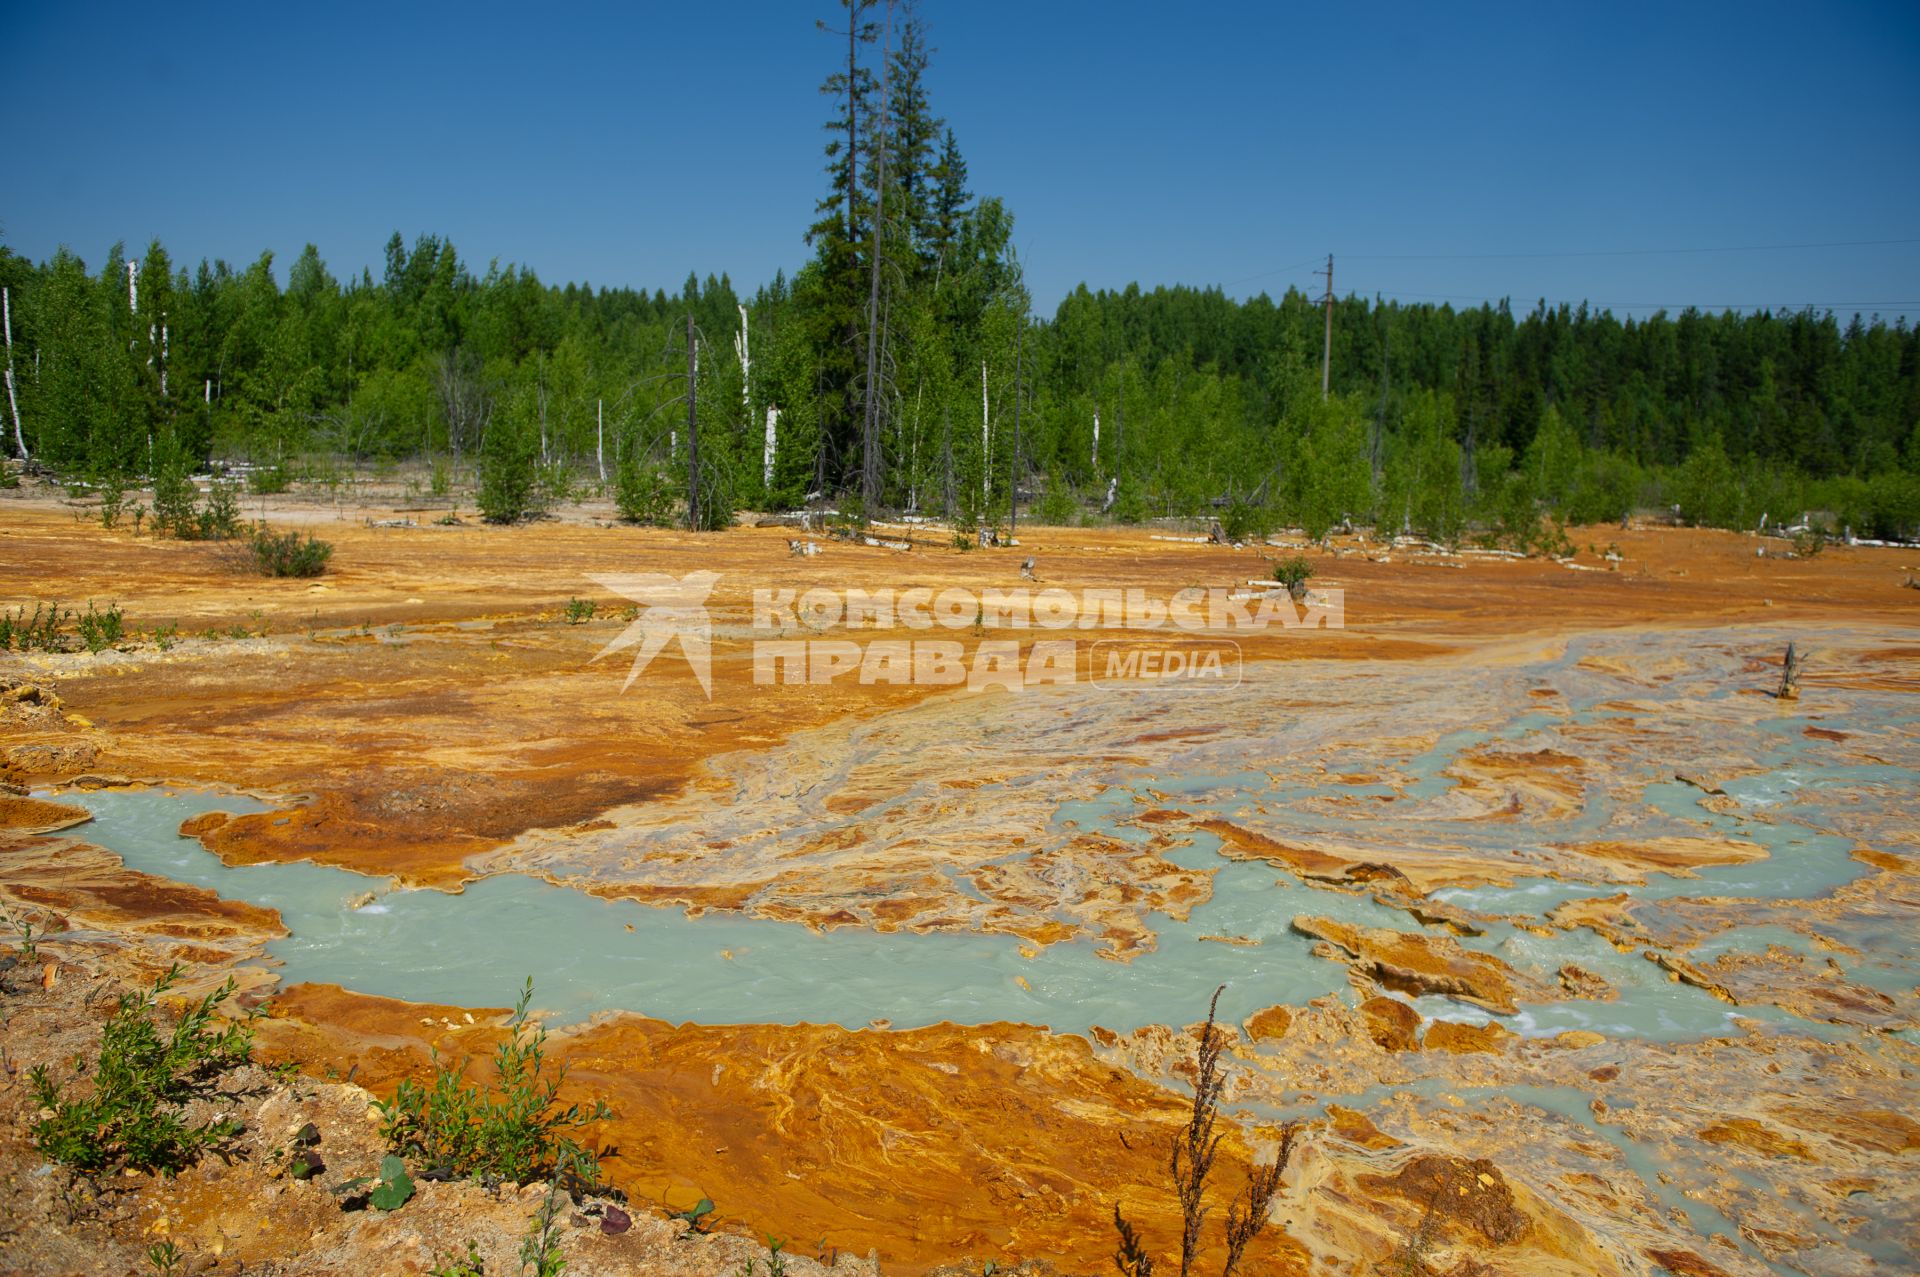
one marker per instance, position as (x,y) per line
(589,954)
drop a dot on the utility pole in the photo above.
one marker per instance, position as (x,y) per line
(1326,351)
(693,429)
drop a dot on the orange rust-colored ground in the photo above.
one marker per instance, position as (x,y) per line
(423,738)
(480,717)
(926,1145)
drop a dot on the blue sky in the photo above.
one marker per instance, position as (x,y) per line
(1426,146)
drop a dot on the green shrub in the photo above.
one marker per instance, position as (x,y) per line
(642,494)
(579,610)
(514,1130)
(288,553)
(176,502)
(113,499)
(1294,573)
(40,631)
(1059,507)
(101,630)
(140,1083)
(1245,521)
(268,480)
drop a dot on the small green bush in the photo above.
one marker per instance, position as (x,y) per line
(1244,521)
(113,499)
(268,480)
(513,1131)
(289,553)
(579,610)
(101,630)
(1294,573)
(642,494)
(40,631)
(1058,507)
(140,1082)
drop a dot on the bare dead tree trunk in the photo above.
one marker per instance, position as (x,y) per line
(693,428)
(600,437)
(1013,462)
(870,458)
(13,401)
(1790,667)
(986,440)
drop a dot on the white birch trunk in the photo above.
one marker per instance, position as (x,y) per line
(772,443)
(745,352)
(1096,441)
(13,402)
(133,287)
(600,437)
(986,439)
(165,347)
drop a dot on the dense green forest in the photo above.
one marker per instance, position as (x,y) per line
(901,369)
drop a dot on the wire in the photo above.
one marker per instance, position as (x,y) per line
(1624,252)
(1278,270)
(1391,294)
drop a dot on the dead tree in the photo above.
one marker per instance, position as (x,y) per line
(693,429)
(870,457)
(1190,1163)
(13,402)
(1790,668)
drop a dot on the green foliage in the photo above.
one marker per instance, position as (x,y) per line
(41,631)
(395,1188)
(1294,572)
(165,1258)
(1058,507)
(391,1189)
(113,497)
(508,492)
(1808,542)
(1704,488)
(269,480)
(699,1217)
(540,1248)
(141,1082)
(1245,521)
(176,501)
(467,1265)
(296,554)
(643,494)
(100,630)
(1423,493)
(579,610)
(515,1130)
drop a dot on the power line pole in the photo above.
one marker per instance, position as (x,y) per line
(1326,352)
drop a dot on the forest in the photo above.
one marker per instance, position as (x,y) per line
(901,369)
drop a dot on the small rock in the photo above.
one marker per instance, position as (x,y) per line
(614,1221)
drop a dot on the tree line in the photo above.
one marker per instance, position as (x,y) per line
(900,368)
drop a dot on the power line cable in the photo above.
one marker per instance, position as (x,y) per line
(1626,252)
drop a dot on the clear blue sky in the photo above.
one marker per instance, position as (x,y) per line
(1226,144)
